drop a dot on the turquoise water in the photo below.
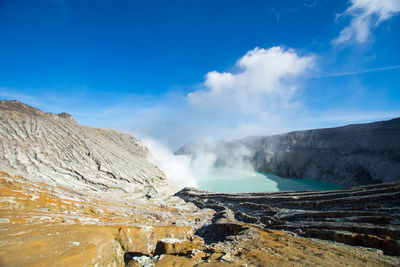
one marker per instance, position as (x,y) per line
(246,181)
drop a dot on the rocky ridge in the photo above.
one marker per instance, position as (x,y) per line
(72,195)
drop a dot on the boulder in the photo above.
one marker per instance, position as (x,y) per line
(174,246)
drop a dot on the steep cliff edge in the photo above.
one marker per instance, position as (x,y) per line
(351,155)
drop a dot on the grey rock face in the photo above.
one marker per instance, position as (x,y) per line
(55,149)
(348,156)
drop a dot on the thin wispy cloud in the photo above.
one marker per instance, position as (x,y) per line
(305,4)
(274,12)
(350,73)
(353,117)
(365,16)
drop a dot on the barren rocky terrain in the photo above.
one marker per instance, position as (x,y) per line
(72,195)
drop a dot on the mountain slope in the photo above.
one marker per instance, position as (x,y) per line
(55,149)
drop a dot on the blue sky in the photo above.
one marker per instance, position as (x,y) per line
(183,70)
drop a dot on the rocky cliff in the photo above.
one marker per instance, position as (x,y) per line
(348,156)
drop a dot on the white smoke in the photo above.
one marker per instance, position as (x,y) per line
(201,163)
(208,161)
(215,160)
(176,167)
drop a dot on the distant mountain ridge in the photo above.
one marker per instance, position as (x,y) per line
(17,106)
(350,155)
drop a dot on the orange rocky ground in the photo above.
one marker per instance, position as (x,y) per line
(42,225)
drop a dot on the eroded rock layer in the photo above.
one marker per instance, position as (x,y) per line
(366,216)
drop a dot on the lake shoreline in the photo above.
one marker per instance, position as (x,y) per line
(247,182)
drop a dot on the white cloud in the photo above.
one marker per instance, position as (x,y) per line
(266,81)
(366,15)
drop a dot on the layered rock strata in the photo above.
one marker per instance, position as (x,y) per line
(366,216)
